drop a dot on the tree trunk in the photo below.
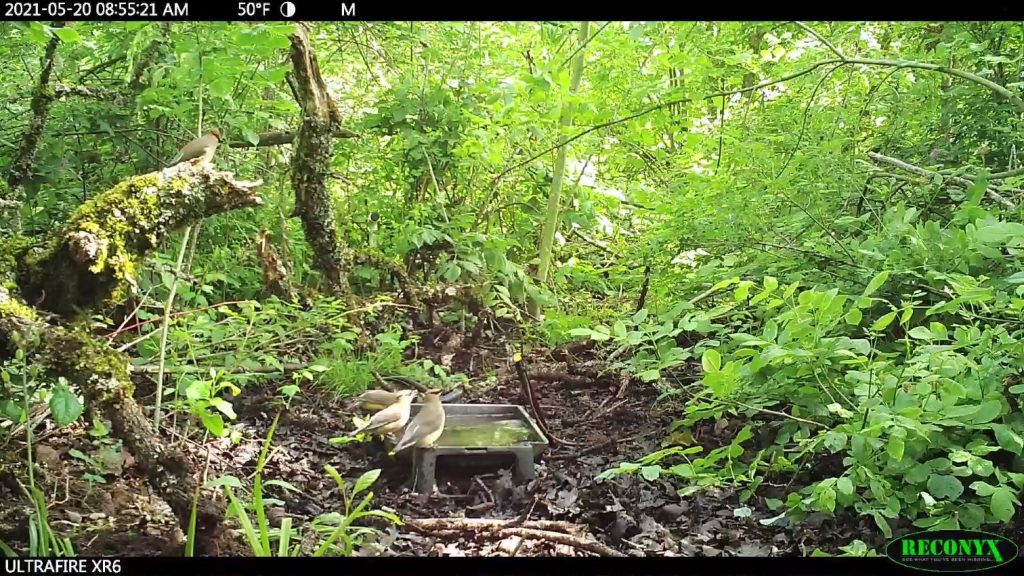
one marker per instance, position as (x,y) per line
(311,164)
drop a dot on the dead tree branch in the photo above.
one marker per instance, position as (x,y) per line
(990,192)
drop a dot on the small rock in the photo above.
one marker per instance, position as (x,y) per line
(710,552)
(748,549)
(687,549)
(112,461)
(97,516)
(48,456)
(120,498)
(816,519)
(106,504)
(710,527)
(671,512)
(623,527)
(275,515)
(73,517)
(509,545)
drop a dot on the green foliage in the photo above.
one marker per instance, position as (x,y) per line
(42,540)
(850,312)
(204,401)
(909,391)
(336,533)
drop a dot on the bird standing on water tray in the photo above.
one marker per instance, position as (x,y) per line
(426,427)
(199,151)
(390,419)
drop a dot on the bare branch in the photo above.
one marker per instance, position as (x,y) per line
(991,193)
(821,39)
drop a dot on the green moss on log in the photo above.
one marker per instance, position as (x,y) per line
(95,259)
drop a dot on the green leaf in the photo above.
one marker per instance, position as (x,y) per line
(921,333)
(882,524)
(1002,504)
(619,329)
(650,473)
(983,488)
(224,407)
(452,272)
(1017,278)
(1008,439)
(945,486)
(650,375)
(230,481)
(884,321)
(918,474)
(64,405)
(11,410)
(827,500)
(365,481)
(711,360)
(853,317)
(771,283)
(896,445)
(69,35)
(999,232)
(845,486)
(640,316)
(876,283)
(987,412)
(285,485)
(213,422)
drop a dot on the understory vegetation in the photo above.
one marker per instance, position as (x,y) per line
(803,240)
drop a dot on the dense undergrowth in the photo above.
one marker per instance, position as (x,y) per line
(744,252)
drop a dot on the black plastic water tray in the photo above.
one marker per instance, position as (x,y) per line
(424,460)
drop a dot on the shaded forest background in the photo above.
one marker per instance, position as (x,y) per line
(795,247)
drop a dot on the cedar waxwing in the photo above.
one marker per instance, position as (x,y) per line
(390,419)
(201,149)
(377,399)
(426,427)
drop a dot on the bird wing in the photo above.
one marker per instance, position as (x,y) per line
(412,434)
(389,415)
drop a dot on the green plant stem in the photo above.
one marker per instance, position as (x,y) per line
(165,327)
(551,218)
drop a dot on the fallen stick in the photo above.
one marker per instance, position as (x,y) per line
(478,524)
(496,531)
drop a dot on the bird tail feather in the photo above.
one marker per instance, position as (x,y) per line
(408,440)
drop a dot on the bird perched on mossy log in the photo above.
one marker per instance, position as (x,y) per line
(199,151)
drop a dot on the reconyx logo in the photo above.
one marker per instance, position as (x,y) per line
(951,551)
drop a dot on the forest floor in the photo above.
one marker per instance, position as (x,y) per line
(100,498)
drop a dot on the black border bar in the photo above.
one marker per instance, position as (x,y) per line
(461,10)
(404,566)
